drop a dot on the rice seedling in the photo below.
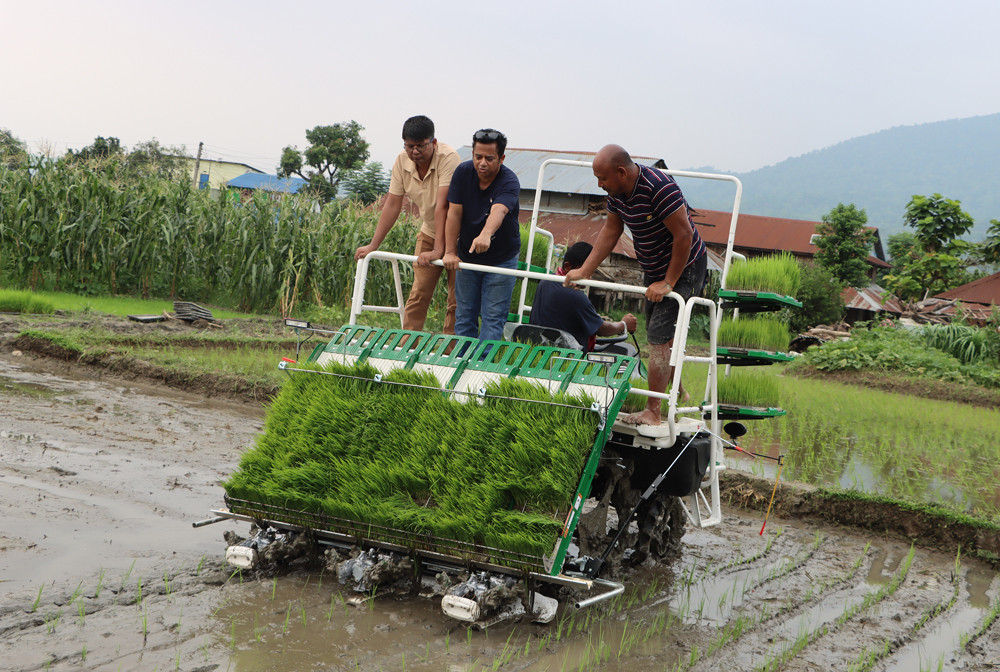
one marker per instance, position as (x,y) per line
(125,576)
(76,593)
(749,388)
(38,599)
(15,301)
(52,621)
(779,274)
(100,584)
(81,612)
(762,332)
(400,455)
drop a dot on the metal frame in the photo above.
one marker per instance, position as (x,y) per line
(702,509)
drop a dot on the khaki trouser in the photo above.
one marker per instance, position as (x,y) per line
(425,279)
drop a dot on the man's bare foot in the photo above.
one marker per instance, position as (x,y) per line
(646,417)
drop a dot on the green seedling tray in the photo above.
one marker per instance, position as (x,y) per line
(733,412)
(355,340)
(548,364)
(755,302)
(498,357)
(399,345)
(749,357)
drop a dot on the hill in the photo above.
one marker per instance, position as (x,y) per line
(959,159)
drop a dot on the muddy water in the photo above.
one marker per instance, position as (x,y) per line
(100,569)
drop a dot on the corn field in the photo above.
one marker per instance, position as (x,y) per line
(97,228)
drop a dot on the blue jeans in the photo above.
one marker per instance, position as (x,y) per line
(485,296)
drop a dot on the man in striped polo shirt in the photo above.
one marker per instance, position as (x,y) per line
(667,246)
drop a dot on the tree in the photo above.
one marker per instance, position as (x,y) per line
(844,245)
(939,221)
(368,184)
(939,260)
(902,246)
(152,157)
(990,247)
(13,151)
(332,151)
(102,148)
(820,294)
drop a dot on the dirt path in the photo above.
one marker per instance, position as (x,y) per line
(101,570)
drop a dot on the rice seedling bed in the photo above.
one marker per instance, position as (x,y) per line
(16,301)
(400,462)
(764,333)
(778,275)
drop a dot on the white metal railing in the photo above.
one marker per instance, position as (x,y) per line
(678,355)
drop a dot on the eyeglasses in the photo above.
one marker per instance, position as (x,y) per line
(487,136)
(418,147)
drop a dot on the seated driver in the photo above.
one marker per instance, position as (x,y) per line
(570,309)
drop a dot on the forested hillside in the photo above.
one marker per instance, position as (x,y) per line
(959,159)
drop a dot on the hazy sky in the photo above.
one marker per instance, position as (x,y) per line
(733,84)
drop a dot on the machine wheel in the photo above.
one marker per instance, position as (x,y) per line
(654,532)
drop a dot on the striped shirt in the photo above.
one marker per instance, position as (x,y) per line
(656,196)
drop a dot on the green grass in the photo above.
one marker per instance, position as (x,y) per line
(121,305)
(254,360)
(255,363)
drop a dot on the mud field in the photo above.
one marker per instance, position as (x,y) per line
(100,569)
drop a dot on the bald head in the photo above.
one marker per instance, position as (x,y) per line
(615,171)
(614,156)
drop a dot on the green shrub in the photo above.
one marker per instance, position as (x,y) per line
(896,349)
(968,345)
(822,303)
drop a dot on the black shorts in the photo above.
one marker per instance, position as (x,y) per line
(661,318)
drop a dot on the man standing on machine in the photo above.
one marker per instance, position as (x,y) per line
(570,309)
(667,246)
(482,228)
(423,172)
